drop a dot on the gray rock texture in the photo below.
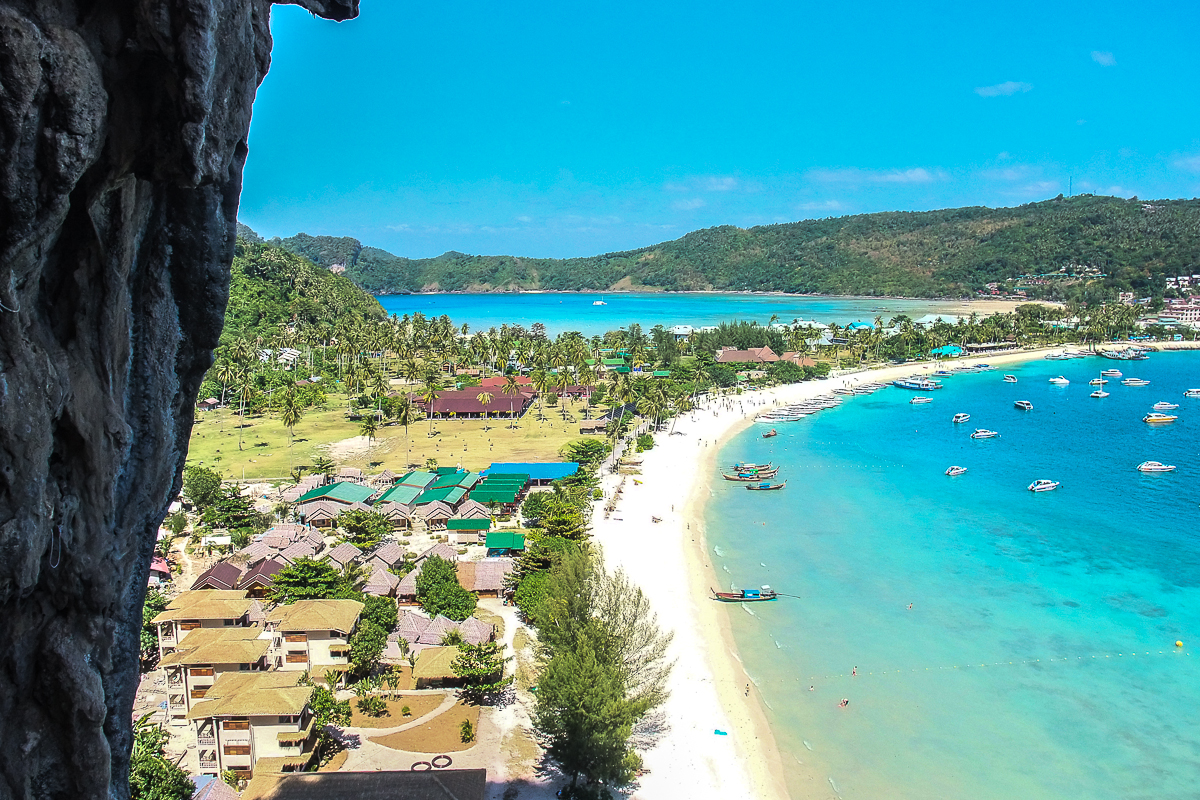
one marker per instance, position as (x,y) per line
(123,129)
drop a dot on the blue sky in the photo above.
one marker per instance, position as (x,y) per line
(552,129)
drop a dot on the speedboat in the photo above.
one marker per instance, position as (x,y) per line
(1059,381)
(1097,382)
(1192,393)
(955,470)
(1155,466)
(917,384)
(1010,378)
(1024,405)
(984,433)
(1134,382)
(1099,393)
(1043,485)
(1111,373)
(1155,417)
(961,417)
(1163,405)
(919,399)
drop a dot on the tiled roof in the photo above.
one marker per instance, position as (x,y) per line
(297,551)
(253,694)
(381,583)
(257,551)
(343,554)
(433,511)
(263,574)
(342,492)
(221,575)
(472,509)
(442,550)
(408,584)
(390,554)
(394,510)
(316,615)
(276,542)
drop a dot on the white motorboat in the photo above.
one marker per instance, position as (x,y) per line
(921,399)
(1163,405)
(984,433)
(1043,485)
(1097,382)
(1024,405)
(1099,393)
(1134,382)
(961,417)
(1158,418)
(1059,381)
(1010,378)
(599,303)
(1192,393)
(955,470)
(1155,466)
(1111,373)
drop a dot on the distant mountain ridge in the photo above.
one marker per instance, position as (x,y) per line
(1108,244)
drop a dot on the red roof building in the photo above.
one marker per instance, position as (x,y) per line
(498,381)
(754,355)
(465,403)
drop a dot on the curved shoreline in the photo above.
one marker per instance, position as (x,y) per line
(669,561)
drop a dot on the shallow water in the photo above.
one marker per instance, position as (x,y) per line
(574,311)
(1038,658)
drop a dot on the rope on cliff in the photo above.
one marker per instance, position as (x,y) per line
(13,291)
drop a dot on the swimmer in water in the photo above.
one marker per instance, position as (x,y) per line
(845,702)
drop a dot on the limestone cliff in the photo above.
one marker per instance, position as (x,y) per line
(123,130)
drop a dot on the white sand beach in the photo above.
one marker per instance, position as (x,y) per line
(668,560)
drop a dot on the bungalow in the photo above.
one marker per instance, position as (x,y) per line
(160,572)
(472,509)
(313,635)
(420,632)
(503,543)
(258,581)
(753,355)
(399,515)
(407,489)
(248,716)
(434,515)
(208,404)
(468,531)
(465,403)
(541,473)
(593,426)
(295,552)
(343,555)
(221,575)
(498,381)
(441,550)
(435,668)
(336,497)
(255,552)
(487,577)
(381,583)
(192,669)
(799,359)
(190,611)
(389,554)
(449,487)
(353,474)
(406,589)
(324,513)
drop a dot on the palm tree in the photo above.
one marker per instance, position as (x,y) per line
(511,388)
(542,381)
(484,398)
(291,413)
(430,394)
(368,426)
(405,415)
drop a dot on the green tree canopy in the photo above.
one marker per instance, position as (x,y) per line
(366,646)
(363,529)
(306,579)
(381,611)
(201,486)
(481,668)
(152,776)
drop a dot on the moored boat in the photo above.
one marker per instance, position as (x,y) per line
(746,466)
(1134,382)
(1155,466)
(961,417)
(955,470)
(1158,418)
(1043,485)
(1024,405)
(984,433)
(765,487)
(770,433)
(746,595)
(1097,382)
(1010,378)
(1099,394)
(748,477)
(1163,405)
(1110,373)
(1192,393)
(921,398)
(916,384)
(1059,381)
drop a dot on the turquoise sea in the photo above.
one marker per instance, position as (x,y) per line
(574,311)
(1038,659)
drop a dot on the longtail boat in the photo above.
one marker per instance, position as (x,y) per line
(746,466)
(770,433)
(748,477)
(765,487)
(746,595)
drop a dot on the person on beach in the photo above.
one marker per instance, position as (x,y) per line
(747,690)
(812,688)
(854,672)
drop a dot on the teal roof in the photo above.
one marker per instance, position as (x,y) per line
(446,494)
(418,478)
(463,479)
(507,477)
(499,494)
(343,491)
(505,540)
(468,524)
(662,373)
(400,493)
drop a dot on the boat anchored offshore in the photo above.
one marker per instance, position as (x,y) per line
(984,433)
(1157,418)
(1010,378)
(1099,394)
(1134,382)
(920,399)
(1059,381)
(1097,382)
(1155,466)
(916,384)
(956,470)
(1024,405)
(746,595)
(1163,405)
(1110,373)
(1043,485)
(1192,393)
(961,417)
(765,487)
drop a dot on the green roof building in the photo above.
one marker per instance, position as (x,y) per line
(342,492)
(506,541)
(468,524)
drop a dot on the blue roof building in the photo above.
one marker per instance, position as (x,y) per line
(539,474)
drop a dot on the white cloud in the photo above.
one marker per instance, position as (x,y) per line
(689,205)
(1006,174)
(820,205)
(1003,89)
(1189,163)
(524,218)
(1104,58)
(915,175)
(706,183)
(718,184)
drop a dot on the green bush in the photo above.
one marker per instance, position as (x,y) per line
(372,706)
(467,731)
(645,442)
(405,711)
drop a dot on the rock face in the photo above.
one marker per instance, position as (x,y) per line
(123,130)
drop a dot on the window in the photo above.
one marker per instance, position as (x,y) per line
(237,749)
(295,637)
(201,672)
(287,720)
(227,622)
(297,658)
(236,725)
(189,625)
(199,693)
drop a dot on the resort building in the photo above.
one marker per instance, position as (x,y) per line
(538,473)
(343,555)
(259,580)
(247,717)
(321,506)
(210,608)
(160,572)
(193,668)
(221,575)
(313,635)
(465,403)
(753,355)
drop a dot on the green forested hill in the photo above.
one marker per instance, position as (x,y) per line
(270,286)
(1133,243)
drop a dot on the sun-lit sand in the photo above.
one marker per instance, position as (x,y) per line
(668,560)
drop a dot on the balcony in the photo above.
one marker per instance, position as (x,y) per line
(206,741)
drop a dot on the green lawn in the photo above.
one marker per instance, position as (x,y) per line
(265,452)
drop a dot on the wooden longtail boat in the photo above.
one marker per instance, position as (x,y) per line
(765,487)
(746,595)
(748,477)
(745,466)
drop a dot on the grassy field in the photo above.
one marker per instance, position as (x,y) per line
(266,454)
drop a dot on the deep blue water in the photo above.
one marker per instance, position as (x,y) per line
(575,312)
(1038,659)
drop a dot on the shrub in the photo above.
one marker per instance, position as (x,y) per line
(372,706)
(405,711)
(645,442)
(467,731)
